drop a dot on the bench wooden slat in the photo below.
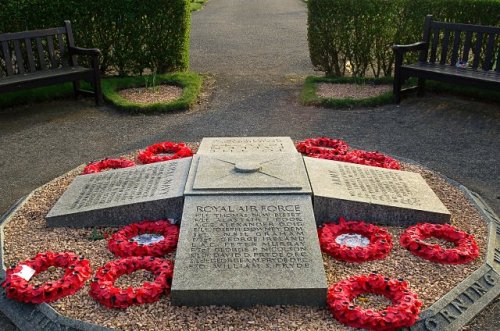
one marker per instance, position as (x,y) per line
(52,56)
(477,50)
(468,41)
(62,50)
(490,76)
(488,58)
(466,27)
(41,53)
(31,34)
(29,51)
(435,42)
(19,57)
(454,52)
(7,58)
(446,41)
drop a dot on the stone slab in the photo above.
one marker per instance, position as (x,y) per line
(376,195)
(123,196)
(462,303)
(247,250)
(246,145)
(222,174)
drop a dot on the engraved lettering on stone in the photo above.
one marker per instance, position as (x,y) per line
(115,187)
(373,184)
(449,317)
(496,255)
(247,145)
(252,236)
(431,324)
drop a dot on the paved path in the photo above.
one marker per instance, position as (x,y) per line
(257,52)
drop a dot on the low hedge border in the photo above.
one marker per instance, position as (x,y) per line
(189,81)
(308,95)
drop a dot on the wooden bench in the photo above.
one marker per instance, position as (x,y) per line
(459,53)
(45,57)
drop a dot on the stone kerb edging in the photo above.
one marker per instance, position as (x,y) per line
(452,311)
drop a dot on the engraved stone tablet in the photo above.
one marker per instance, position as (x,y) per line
(247,145)
(247,174)
(376,195)
(247,250)
(123,196)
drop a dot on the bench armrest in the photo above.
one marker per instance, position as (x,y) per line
(401,49)
(84,51)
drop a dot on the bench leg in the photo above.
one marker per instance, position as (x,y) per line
(97,91)
(76,88)
(421,87)
(396,89)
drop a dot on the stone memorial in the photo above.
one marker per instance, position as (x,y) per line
(375,195)
(247,174)
(246,145)
(123,196)
(247,250)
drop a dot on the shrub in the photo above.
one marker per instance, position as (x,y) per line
(132,34)
(355,36)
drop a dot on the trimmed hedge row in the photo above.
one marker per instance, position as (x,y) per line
(132,34)
(355,36)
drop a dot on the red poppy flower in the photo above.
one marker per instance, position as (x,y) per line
(121,243)
(322,146)
(99,166)
(102,288)
(402,313)
(379,246)
(77,273)
(177,151)
(465,250)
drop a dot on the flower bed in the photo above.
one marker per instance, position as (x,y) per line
(429,280)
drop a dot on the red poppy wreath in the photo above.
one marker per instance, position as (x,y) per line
(17,284)
(374,159)
(175,151)
(465,250)
(402,313)
(103,290)
(98,166)
(322,146)
(137,239)
(378,246)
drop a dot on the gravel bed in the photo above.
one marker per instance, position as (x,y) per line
(27,235)
(160,93)
(351,91)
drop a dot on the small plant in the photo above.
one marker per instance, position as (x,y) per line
(150,81)
(98,234)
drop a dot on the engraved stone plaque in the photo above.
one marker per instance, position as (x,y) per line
(247,174)
(246,145)
(248,250)
(376,195)
(123,196)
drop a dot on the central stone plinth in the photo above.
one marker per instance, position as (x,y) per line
(248,250)
(248,174)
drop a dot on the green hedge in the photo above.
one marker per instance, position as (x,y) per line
(133,35)
(355,36)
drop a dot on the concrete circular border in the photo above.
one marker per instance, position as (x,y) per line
(452,311)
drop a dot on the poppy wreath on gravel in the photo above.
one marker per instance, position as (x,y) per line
(379,246)
(374,159)
(465,250)
(98,166)
(402,313)
(175,151)
(17,284)
(322,146)
(122,243)
(104,291)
